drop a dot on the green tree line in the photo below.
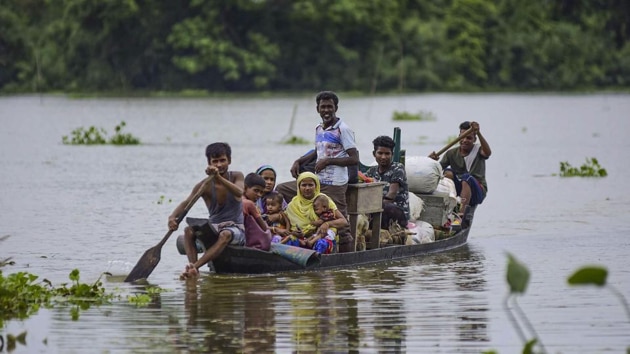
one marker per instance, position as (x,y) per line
(286,45)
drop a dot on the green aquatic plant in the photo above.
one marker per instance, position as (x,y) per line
(420,116)
(144,299)
(98,136)
(289,138)
(517,277)
(163,199)
(89,136)
(22,296)
(589,169)
(120,138)
(597,275)
(295,140)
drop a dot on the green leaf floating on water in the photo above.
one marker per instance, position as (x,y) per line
(517,275)
(591,275)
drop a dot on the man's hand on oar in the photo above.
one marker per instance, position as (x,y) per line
(151,257)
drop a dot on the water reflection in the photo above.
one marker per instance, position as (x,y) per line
(445,300)
(229,313)
(390,308)
(438,301)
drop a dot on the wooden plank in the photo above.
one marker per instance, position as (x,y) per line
(365,198)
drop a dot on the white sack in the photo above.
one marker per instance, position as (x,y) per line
(447,186)
(416,206)
(423,174)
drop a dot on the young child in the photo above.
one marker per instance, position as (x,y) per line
(254,186)
(320,242)
(276,219)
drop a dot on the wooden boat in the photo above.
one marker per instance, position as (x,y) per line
(362,198)
(244,260)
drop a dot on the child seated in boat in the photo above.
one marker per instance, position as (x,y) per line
(254,185)
(276,219)
(324,239)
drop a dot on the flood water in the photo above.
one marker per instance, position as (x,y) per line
(98,208)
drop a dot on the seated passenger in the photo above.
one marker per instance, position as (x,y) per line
(254,185)
(269,175)
(323,242)
(304,221)
(395,190)
(276,218)
(466,166)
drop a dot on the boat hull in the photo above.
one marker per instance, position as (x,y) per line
(243,260)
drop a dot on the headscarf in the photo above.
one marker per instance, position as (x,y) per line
(300,210)
(264,168)
(261,203)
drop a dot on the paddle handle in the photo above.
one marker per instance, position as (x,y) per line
(187,208)
(459,138)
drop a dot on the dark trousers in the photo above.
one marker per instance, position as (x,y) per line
(391,213)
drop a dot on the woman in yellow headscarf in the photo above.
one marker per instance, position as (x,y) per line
(304,221)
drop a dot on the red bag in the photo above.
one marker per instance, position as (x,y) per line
(255,237)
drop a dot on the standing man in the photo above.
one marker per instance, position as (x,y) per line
(225,208)
(335,150)
(395,190)
(466,166)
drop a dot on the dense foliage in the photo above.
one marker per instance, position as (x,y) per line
(282,45)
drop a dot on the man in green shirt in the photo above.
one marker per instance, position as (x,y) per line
(466,166)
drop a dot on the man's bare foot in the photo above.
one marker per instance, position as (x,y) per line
(190,272)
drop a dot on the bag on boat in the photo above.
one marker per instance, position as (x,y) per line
(255,237)
(423,174)
(422,231)
(447,186)
(416,206)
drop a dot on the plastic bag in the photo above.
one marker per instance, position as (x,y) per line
(422,232)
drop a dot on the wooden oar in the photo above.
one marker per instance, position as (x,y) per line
(151,257)
(459,138)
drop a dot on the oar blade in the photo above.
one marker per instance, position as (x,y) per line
(146,264)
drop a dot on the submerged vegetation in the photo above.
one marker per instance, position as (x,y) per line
(420,116)
(590,168)
(98,136)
